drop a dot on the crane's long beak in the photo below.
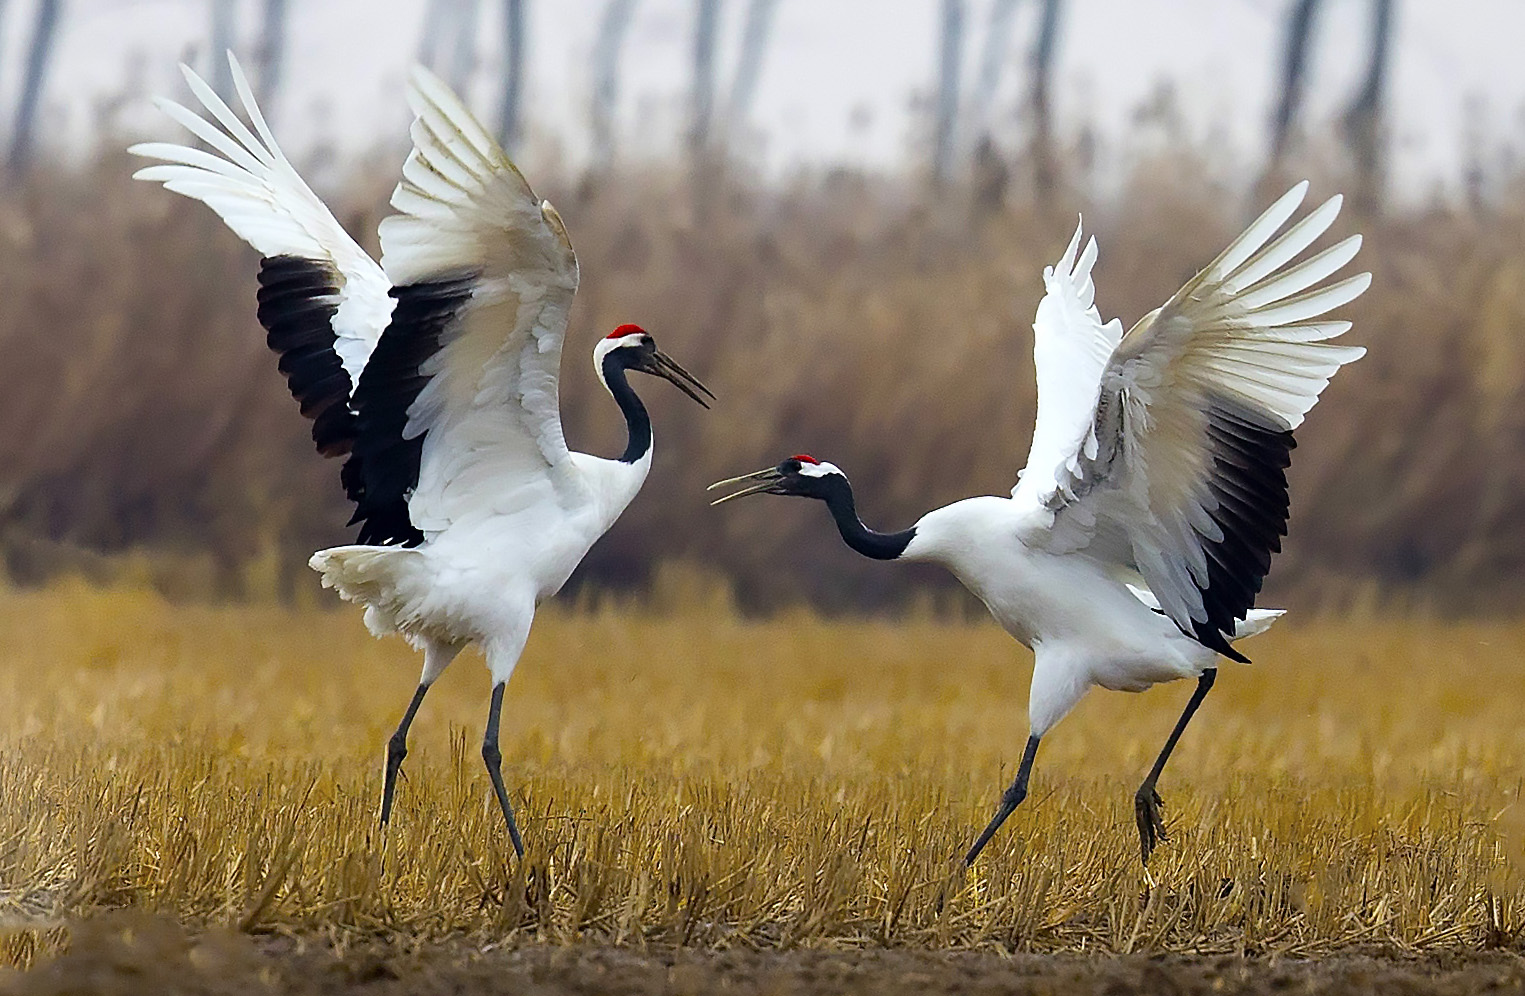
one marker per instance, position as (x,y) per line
(667,368)
(766,480)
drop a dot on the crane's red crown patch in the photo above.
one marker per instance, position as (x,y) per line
(804,458)
(625,330)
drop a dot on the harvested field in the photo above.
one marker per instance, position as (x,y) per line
(695,782)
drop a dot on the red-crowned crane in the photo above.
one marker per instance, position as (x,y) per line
(1135,541)
(435,373)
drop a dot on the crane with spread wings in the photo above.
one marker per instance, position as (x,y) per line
(434,373)
(1137,538)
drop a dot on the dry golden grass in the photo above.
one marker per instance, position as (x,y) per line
(700,779)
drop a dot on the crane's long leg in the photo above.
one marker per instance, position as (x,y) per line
(397,749)
(1010,800)
(1146,801)
(494,760)
(437,657)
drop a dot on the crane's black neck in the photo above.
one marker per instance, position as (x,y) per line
(616,362)
(880,546)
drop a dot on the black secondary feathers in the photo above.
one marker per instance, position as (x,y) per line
(1250,455)
(382,470)
(298,299)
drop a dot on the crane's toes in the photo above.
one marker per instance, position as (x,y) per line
(955,875)
(1147,806)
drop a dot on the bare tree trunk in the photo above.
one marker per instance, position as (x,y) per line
(431,43)
(271,53)
(448,43)
(224,27)
(39,53)
(1294,69)
(949,70)
(1362,123)
(2,19)
(754,45)
(513,73)
(702,100)
(1045,170)
(606,61)
(992,63)
(461,54)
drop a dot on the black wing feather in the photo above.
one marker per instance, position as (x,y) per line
(298,299)
(383,468)
(1250,455)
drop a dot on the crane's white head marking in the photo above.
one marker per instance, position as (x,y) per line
(811,467)
(802,475)
(638,351)
(623,337)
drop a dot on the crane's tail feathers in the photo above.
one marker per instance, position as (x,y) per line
(377,578)
(1255,622)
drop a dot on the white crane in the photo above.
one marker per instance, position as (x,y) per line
(1135,541)
(436,374)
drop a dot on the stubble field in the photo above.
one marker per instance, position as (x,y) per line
(701,788)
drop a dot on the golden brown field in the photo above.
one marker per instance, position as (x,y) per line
(701,780)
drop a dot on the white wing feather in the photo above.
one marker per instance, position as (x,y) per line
(254,189)
(1070,350)
(490,411)
(1192,422)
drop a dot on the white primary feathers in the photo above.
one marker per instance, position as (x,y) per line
(1138,535)
(435,373)
(257,192)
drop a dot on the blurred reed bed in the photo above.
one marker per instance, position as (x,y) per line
(697,778)
(149,439)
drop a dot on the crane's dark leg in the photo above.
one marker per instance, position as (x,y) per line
(1010,800)
(1146,801)
(494,760)
(397,749)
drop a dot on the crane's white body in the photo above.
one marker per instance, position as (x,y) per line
(503,510)
(1085,625)
(480,580)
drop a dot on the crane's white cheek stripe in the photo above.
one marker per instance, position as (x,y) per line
(606,346)
(819,470)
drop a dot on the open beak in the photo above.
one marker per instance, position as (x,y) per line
(667,368)
(766,481)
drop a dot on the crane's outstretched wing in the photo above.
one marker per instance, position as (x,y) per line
(1191,433)
(458,408)
(1070,350)
(322,299)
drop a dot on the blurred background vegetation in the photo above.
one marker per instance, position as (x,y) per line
(875,317)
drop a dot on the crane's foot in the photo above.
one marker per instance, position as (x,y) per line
(1147,806)
(494,761)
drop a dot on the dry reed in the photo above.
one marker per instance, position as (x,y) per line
(148,436)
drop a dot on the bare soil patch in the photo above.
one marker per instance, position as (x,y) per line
(134,953)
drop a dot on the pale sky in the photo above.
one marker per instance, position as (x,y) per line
(1456,67)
